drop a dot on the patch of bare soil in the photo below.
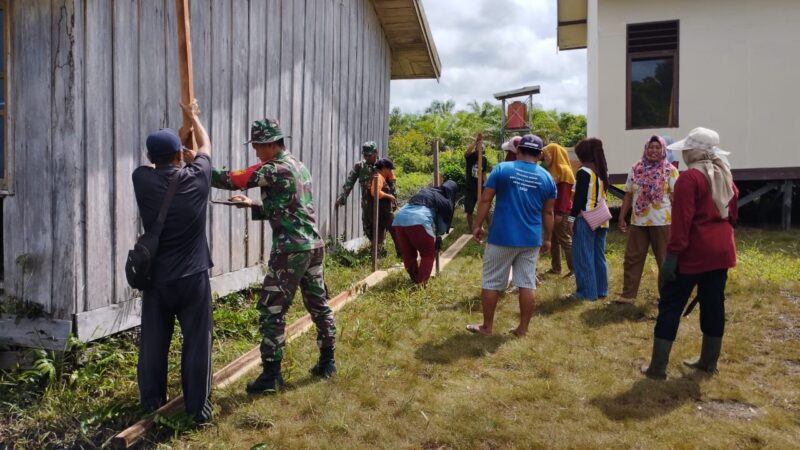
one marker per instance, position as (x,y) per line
(728,409)
(787,328)
(791,296)
(793,366)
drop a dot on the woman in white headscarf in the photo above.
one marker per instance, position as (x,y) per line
(700,251)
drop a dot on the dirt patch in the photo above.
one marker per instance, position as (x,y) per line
(793,366)
(791,296)
(729,409)
(786,328)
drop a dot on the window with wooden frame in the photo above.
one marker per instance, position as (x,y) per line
(652,75)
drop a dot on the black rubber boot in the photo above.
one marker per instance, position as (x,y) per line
(270,380)
(709,355)
(326,366)
(657,369)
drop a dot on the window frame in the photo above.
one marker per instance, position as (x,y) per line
(5,150)
(631,56)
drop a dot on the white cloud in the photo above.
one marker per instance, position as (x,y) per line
(489,46)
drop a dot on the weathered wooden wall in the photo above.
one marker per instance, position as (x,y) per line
(90,78)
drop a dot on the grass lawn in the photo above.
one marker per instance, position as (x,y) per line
(411,377)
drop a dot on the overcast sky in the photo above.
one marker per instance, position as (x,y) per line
(489,46)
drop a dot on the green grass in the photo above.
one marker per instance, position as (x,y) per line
(411,377)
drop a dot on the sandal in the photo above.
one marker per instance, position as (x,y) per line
(476,329)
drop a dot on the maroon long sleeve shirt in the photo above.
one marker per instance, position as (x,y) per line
(701,238)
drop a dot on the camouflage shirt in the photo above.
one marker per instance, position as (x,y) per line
(361,172)
(286,199)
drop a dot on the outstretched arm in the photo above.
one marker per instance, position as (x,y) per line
(352,177)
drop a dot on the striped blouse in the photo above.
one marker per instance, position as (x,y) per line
(589,189)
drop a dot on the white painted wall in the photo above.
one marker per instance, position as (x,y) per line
(739,68)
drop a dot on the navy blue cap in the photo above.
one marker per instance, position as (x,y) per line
(163,142)
(531,142)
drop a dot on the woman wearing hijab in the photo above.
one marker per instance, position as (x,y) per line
(700,251)
(556,160)
(414,228)
(589,246)
(649,189)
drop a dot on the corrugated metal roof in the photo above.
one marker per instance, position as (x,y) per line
(414,54)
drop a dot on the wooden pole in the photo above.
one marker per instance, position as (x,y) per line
(375,204)
(479,145)
(436,181)
(185,66)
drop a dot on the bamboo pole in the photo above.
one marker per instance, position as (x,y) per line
(375,216)
(436,181)
(185,66)
(479,145)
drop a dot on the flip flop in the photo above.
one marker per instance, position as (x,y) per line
(476,329)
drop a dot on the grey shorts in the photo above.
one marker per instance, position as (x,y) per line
(498,260)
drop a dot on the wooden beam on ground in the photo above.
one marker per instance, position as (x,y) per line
(236,369)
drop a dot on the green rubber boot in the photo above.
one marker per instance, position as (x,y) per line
(709,355)
(657,369)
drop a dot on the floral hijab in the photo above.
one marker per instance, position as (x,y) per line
(651,176)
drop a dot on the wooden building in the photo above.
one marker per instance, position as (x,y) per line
(84,81)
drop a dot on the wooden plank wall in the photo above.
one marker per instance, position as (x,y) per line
(102,74)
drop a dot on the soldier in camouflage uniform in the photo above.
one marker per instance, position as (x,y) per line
(297,249)
(362,172)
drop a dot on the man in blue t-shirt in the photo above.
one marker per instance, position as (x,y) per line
(521,228)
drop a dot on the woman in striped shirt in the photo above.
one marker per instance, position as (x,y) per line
(589,246)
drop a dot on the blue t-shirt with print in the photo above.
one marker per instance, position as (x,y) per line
(521,189)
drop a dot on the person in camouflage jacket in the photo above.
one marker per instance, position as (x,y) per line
(297,249)
(362,173)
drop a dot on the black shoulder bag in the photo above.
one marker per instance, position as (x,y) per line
(140,259)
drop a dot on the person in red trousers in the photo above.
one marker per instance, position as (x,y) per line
(418,227)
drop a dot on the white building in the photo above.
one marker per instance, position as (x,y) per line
(666,66)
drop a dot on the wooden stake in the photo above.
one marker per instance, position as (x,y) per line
(479,145)
(436,180)
(185,65)
(375,216)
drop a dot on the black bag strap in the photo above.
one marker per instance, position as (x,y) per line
(162,215)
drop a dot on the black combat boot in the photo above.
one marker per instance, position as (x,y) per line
(326,366)
(270,380)
(658,363)
(709,355)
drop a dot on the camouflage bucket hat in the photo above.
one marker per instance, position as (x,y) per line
(369,147)
(265,131)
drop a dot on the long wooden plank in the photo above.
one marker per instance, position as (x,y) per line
(257,78)
(300,25)
(221,58)
(336,101)
(68,162)
(325,180)
(27,214)
(99,157)
(319,155)
(127,138)
(239,128)
(273,89)
(343,101)
(301,145)
(287,62)
(236,369)
(184,47)
(39,333)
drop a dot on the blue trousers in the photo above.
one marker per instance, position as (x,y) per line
(589,260)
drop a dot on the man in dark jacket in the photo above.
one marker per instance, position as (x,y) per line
(180,284)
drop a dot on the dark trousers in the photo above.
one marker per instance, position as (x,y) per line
(188,299)
(675,295)
(411,241)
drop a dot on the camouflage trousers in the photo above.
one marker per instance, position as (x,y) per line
(366,217)
(286,272)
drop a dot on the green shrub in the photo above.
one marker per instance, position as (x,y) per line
(409,183)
